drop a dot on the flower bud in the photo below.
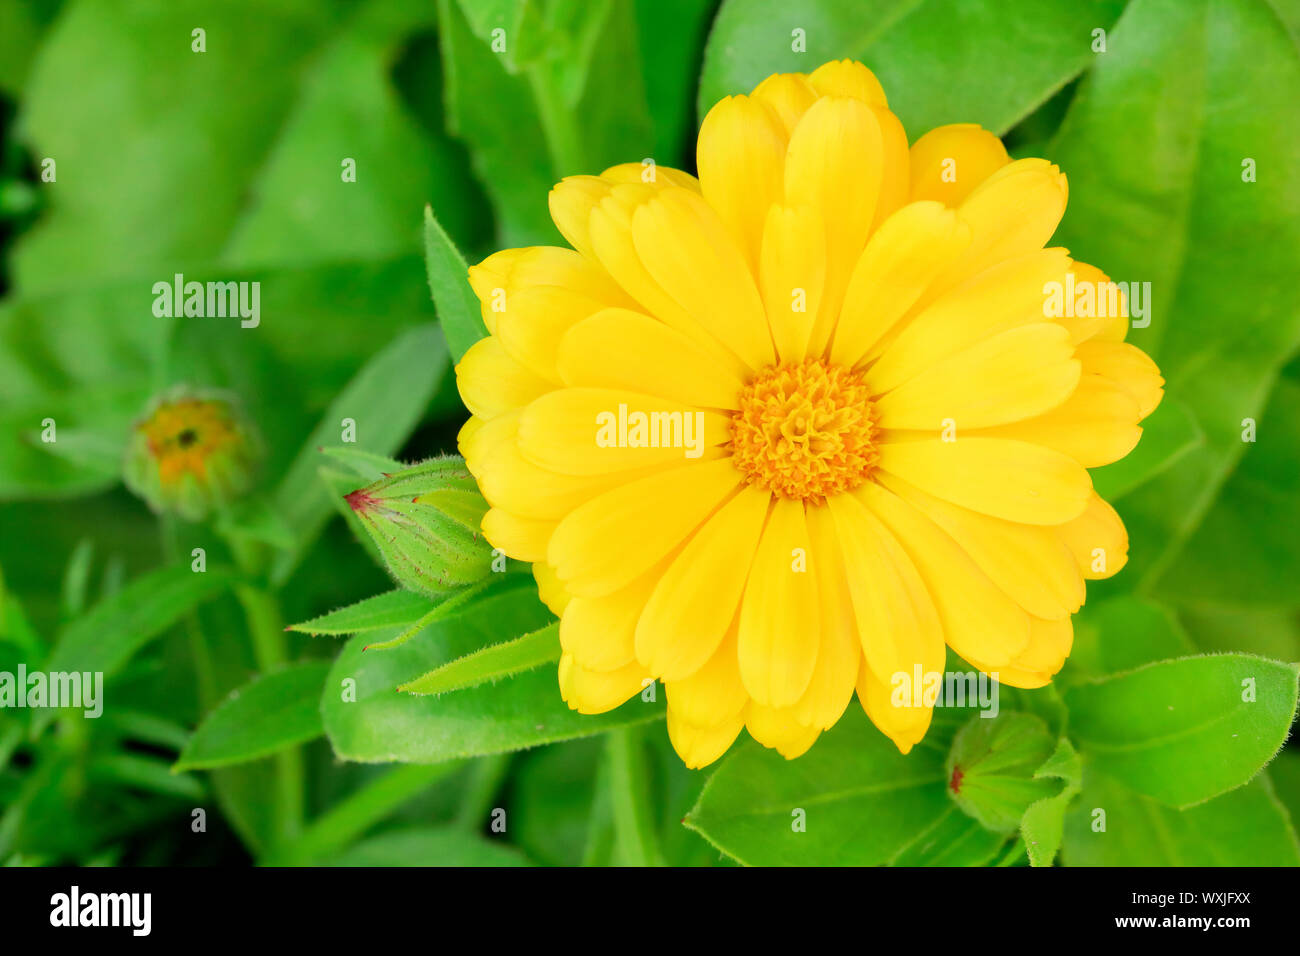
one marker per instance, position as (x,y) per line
(425,522)
(191,451)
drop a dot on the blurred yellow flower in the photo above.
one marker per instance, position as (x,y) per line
(891,423)
(190,452)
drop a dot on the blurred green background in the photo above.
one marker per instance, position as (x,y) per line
(225,164)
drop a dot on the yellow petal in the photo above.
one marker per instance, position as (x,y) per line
(1004,297)
(479,437)
(1103,315)
(834,165)
(899,262)
(779,617)
(1128,367)
(898,623)
(696,600)
(895,174)
(524,539)
(1013,212)
(779,729)
(507,271)
(1095,426)
(741,156)
(571,201)
(621,349)
(594,431)
(612,540)
(792,274)
(848,78)
(1050,643)
(613,246)
(948,162)
(700,746)
(1097,539)
(687,250)
(895,713)
(1049,646)
(1028,562)
(839,650)
(597,692)
(1008,377)
(600,632)
(492,383)
(550,589)
(995,476)
(535,319)
(651,174)
(573,198)
(788,94)
(511,481)
(978,619)
(714,694)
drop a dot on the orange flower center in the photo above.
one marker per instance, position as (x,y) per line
(185,434)
(805,430)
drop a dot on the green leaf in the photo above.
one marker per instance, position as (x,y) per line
(303,208)
(1186,730)
(1168,434)
(369,466)
(954,840)
(552,797)
(399,608)
(507,144)
(380,724)
(312,88)
(429,846)
(1260,503)
(133,209)
(269,713)
(629,787)
(111,632)
(1246,827)
(358,812)
(143,773)
(1154,145)
(672,35)
(566,95)
(71,360)
(76,578)
(1284,773)
(1043,824)
(991,768)
(861,801)
(1268,632)
(1122,633)
(940,61)
(384,417)
(491,663)
(459,313)
(22,25)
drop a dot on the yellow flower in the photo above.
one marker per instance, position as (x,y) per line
(784,432)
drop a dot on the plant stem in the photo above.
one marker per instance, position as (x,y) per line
(634,829)
(558,123)
(485,778)
(350,818)
(266,628)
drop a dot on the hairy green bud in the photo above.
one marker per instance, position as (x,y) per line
(425,522)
